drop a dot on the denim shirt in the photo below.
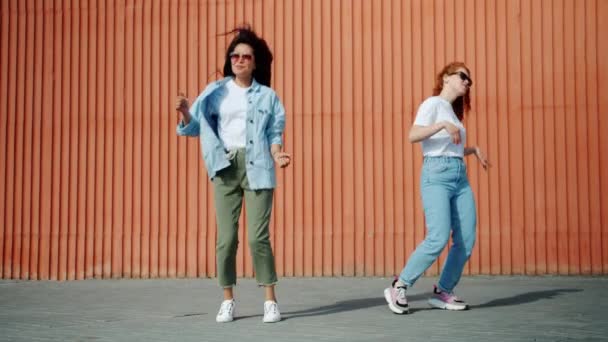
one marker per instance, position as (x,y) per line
(264,127)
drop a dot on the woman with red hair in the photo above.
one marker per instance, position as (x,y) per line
(449,205)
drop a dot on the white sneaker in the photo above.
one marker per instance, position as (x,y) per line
(226,313)
(271,312)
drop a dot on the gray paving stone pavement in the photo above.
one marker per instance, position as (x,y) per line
(314,309)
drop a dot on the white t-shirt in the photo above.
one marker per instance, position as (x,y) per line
(433,110)
(233,116)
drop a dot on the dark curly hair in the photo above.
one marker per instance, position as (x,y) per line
(462,104)
(262,54)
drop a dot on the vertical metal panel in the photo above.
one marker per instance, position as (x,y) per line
(95,184)
(601,103)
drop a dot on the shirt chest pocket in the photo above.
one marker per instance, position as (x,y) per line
(262,118)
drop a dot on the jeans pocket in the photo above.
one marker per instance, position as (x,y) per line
(436,168)
(220,175)
(439,172)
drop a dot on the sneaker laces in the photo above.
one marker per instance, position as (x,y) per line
(271,308)
(400,292)
(226,306)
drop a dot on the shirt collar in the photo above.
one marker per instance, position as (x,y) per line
(255,86)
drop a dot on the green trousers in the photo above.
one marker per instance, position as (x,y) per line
(230,185)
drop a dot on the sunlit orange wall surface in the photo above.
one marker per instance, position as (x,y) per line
(94,182)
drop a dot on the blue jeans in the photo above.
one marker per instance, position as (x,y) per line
(449,206)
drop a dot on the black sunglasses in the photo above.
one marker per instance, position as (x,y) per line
(463,77)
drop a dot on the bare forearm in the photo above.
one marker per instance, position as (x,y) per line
(282,159)
(470,150)
(419,133)
(274,149)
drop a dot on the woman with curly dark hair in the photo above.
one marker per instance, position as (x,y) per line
(449,205)
(240,121)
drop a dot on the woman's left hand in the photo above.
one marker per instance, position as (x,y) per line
(282,158)
(482,158)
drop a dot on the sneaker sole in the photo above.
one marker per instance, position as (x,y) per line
(220,321)
(389,301)
(436,303)
(228,321)
(272,321)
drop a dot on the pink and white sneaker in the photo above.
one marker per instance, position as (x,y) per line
(395,297)
(446,301)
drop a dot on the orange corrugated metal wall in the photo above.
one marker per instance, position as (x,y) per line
(95,183)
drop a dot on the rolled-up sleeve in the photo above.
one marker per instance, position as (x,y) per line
(427,113)
(276,123)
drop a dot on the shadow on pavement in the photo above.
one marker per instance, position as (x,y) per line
(364,303)
(525,298)
(347,305)
(341,306)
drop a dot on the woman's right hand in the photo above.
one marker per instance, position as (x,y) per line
(453,130)
(181,104)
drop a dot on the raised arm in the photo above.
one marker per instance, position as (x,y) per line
(188,125)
